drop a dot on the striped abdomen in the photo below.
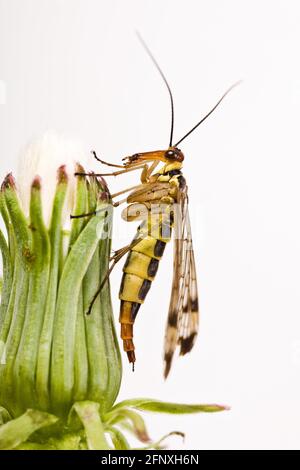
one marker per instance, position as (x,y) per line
(138,273)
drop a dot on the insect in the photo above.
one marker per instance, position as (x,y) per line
(160,202)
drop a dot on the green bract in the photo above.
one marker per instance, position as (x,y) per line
(52,353)
(60,369)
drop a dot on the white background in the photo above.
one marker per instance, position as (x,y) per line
(76,66)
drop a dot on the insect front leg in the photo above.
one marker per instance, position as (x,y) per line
(104,162)
(147,172)
(88,214)
(114,173)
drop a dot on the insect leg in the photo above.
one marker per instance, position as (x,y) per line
(126,190)
(104,162)
(150,170)
(115,173)
(115,259)
(118,203)
(88,214)
(118,254)
(147,171)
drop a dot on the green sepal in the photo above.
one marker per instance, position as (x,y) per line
(56,242)
(159,445)
(14,432)
(118,439)
(156,406)
(7,277)
(27,354)
(63,346)
(131,421)
(18,222)
(4,416)
(89,414)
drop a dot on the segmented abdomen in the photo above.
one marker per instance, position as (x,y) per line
(138,273)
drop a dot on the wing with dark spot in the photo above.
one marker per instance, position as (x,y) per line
(183,317)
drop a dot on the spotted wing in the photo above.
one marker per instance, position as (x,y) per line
(183,316)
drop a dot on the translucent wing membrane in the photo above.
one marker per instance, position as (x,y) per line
(183,317)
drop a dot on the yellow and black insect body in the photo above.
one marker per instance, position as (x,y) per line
(154,233)
(160,202)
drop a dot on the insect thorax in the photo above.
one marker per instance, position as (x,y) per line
(171,173)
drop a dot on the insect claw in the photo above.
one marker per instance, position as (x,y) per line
(93,152)
(116,253)
(81,216)
(89,310)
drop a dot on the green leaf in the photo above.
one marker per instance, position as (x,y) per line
(156,406)
(66,442)
(14,432)
(70,441)
(159,445)
(118,439)
(89,415)
(4,416)
(131,421)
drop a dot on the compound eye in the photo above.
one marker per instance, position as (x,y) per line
(170,154)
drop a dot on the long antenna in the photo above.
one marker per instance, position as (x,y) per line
(208,114)
(164,79)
